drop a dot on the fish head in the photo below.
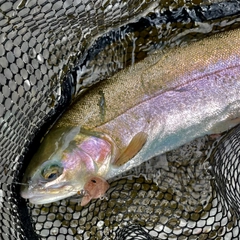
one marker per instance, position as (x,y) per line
(65,162)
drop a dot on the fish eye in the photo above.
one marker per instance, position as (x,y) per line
(52,172)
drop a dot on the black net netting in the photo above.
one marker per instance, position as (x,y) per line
(224,166)
(50,53)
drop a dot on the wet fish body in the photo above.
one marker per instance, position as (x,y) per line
(161,103)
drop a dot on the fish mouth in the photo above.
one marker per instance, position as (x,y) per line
(44,196)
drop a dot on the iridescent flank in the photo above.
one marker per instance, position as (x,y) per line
(159,104)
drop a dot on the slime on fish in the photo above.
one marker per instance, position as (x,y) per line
(157,105)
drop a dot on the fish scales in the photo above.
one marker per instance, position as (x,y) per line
(168,99)
(155,74)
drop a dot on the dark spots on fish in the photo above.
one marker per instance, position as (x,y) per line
(94,181)
(102,105)
(182,89)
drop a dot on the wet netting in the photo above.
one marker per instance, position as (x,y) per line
(50,53)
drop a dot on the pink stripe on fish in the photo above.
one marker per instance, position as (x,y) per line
(78,158)
(97,148)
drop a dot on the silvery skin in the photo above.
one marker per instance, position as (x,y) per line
(164,101)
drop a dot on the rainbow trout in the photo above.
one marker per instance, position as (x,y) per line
(157,105)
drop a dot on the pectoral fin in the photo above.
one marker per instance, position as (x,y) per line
(132,149)
(94,188)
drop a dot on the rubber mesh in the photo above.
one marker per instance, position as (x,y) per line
(224,167)
(50,52)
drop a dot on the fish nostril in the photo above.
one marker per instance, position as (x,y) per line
(94,181)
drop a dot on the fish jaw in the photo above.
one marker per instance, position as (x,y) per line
(75,165)
(41,195)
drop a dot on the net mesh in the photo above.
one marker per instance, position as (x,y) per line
(224,166)
(50,52)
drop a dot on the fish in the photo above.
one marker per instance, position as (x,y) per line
(166,100)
